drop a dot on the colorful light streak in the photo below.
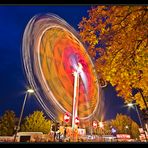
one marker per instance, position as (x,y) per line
(51,53)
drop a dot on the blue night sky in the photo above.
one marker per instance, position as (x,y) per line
(13,20)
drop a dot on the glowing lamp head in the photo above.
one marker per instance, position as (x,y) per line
(126,127)
(30,91)
(101,124)
(130,104)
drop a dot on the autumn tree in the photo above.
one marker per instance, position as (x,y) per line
(125,125)
(36,122)
(116,38)
(7,123)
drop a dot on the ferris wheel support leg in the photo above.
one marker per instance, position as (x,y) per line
(75,101)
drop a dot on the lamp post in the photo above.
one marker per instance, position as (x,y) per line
(101,126)
(134,105)
(29,91)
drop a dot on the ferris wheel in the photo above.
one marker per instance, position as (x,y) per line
(52,56)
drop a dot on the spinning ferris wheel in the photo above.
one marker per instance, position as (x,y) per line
(59,68)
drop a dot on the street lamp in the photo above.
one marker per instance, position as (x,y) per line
(101,125)
(29,91)
(134,105)
(130,104)
(127,129)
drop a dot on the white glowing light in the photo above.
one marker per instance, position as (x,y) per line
(30,91)
(130,104)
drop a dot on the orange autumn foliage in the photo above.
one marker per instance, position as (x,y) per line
(117,40)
